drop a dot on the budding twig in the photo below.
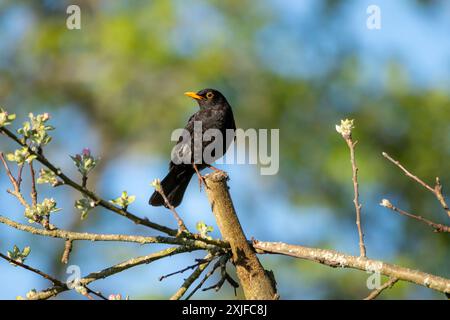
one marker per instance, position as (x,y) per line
(181,226)
(16,192)
(55,281)
(345,129)
(436,226)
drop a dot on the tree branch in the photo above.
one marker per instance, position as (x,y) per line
(99,201)
(209,274)
(436,226)
(70,235)
(44,275)
(55,290)
(194,276)
(351,146)
(14,182)
(254,280)
(336,259)
(437,190)
(68,244)
(181,226)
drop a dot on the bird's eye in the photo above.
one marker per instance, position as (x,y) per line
(209,95)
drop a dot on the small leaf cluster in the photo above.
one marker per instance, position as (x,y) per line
(18,255)
(6,118)
(47,176)
(36,129)
(20,156)
(124,200)
(204,229)
(41,210)
(84,205)
(85,162)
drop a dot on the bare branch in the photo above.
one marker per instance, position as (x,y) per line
(336,259)
(209,274)
(181,226)
(224,276)
(67,250)
(44,275)
(437,190)
(70,235)
(19,176)
(16,192)
(198,263)
(194,276)
(33,185)
(254,279)
(387,285)
(436,226)
(345,129)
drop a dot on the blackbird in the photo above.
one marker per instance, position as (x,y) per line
(215,113)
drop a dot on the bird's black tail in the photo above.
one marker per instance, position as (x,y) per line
(174,185)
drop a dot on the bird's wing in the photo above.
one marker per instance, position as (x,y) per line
(209,118)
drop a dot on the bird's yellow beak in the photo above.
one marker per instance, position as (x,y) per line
(193,95)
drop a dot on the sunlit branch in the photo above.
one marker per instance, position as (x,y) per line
(437,190)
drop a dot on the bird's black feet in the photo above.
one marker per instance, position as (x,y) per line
(201,179)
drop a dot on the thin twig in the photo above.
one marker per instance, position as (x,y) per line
(224,276)
(97,293)
(84,181)
(19,176)
(8,171)
(55,281)
(33,186)
(375,293)
(181,226)
(345,129)
(194,276)
(67,250)
(436,226)
(199,262)
(206,277)
(351,146)
(437,190)
(16,192)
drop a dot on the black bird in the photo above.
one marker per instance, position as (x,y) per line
(215,113)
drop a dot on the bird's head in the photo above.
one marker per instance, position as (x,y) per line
(207,98)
